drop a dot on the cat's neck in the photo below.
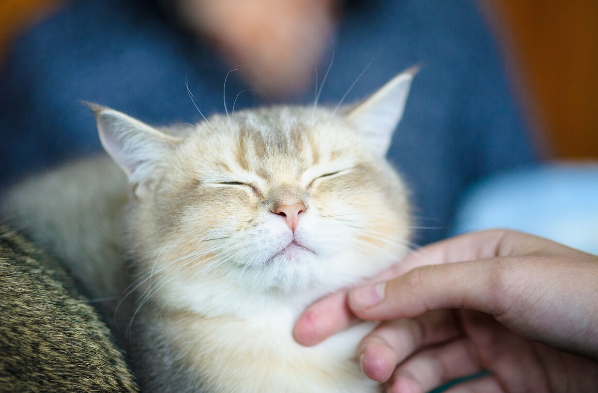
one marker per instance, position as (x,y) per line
(215,298)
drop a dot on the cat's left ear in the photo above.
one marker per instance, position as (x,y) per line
(377,117)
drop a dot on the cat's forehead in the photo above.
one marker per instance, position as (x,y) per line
(278,141)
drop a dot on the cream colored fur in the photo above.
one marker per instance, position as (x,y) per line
(219,278)
(74,212)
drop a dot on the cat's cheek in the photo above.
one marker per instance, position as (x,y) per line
(325,237)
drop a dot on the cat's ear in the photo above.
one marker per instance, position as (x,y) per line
(133,145)
(377,117)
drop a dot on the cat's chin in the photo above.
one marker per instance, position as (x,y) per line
(294,252)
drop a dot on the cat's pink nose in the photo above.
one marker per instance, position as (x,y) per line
(290,213)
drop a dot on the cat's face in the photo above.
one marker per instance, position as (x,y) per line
(282,199)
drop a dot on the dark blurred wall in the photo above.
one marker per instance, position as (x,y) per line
(556,44)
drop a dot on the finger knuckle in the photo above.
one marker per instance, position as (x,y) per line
(500,285)
(413,279)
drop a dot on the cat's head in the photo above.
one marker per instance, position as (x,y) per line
(282,198)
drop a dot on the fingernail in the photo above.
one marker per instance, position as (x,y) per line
(366,297)
(361,363)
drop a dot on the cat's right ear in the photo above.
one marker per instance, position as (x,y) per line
(377,117)
(133,145)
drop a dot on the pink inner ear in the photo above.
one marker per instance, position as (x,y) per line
(378,116)
(133,145)
(111,145)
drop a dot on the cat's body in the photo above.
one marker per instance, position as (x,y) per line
(75,213)
(236,225)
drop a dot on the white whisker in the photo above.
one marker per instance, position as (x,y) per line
(148,276)
(319,92)
(351,88)
(195,105)
(187,265)
(237,97)
(224,94)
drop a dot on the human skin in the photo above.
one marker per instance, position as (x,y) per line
(521,307)
(264,37)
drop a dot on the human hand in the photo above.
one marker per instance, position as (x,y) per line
(522,307)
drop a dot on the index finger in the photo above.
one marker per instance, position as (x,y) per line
(467,247)
(324,318)
(331,314)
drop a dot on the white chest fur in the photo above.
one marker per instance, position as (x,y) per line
(260,355)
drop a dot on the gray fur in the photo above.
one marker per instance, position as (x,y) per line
(51,339)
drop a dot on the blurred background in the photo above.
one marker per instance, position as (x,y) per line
(551,50)
(555,43)
(552,47)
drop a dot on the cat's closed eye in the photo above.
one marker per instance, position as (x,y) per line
(234,183)
(328,175)
(241,184)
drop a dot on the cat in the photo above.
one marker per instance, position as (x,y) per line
(232,228)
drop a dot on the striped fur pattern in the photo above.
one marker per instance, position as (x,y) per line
(51,340)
